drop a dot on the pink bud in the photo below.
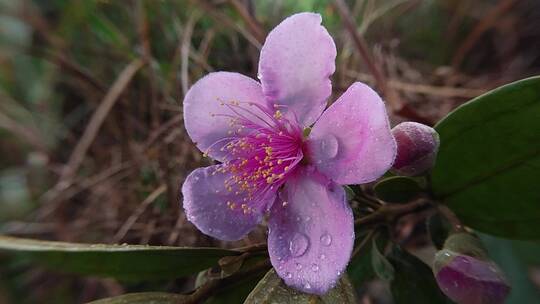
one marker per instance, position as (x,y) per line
(417,147)
(469,280)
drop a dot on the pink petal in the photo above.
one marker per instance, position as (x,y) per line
(204,99)
(296,62)
(352,143)
(311,232)
(206,205)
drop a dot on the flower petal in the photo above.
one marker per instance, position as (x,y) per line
(204,100)
(206,205)
(352,143)
(296,62)
(311,232)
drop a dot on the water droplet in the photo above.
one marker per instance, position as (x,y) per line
(298,245)
(298,266)
(329,146)
(322,256)
(338,273)
(308,218)
(307,285)
(288,275)
(326,239)
(315,267)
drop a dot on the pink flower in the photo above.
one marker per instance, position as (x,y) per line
(268,163)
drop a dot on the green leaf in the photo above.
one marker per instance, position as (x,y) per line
(129,262)
(414,281)
(360,269)
(438,228)
(381,266)
(397,189)
(144,298)
(488,166)
(271,289)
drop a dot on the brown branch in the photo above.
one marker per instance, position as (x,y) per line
(360,44)
(23,132)
(488,21)
(452,218)
(144,38)
(226,21)
(390,212)
(97,119)
(442,91)
(213,286)
(253,25)
(138,212)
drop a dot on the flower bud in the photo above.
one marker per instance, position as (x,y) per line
(469,279)
(417,147)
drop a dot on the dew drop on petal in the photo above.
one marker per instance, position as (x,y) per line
(329,146)
(315,267)
(298,245)
(322,256)
(307,285)
(326,239)
(288,275)
(298,266)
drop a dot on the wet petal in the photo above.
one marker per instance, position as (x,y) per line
(209,205)
(468,280)
(296,62)
(352,143)
(311,232)
(204,100)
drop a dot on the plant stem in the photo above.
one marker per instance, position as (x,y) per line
(389,212)
(457,226)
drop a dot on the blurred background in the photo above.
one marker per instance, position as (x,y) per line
(92,144)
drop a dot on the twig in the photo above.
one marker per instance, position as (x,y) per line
(253,25)
(226,21)
(23,132)
(213,286)
(97,120)
(360,44)
(186,46)
(138,212)
(389,212)
(457,226)
(489,20)
(144,37)
(421,88)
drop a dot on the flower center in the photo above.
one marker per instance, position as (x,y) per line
(263,149)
